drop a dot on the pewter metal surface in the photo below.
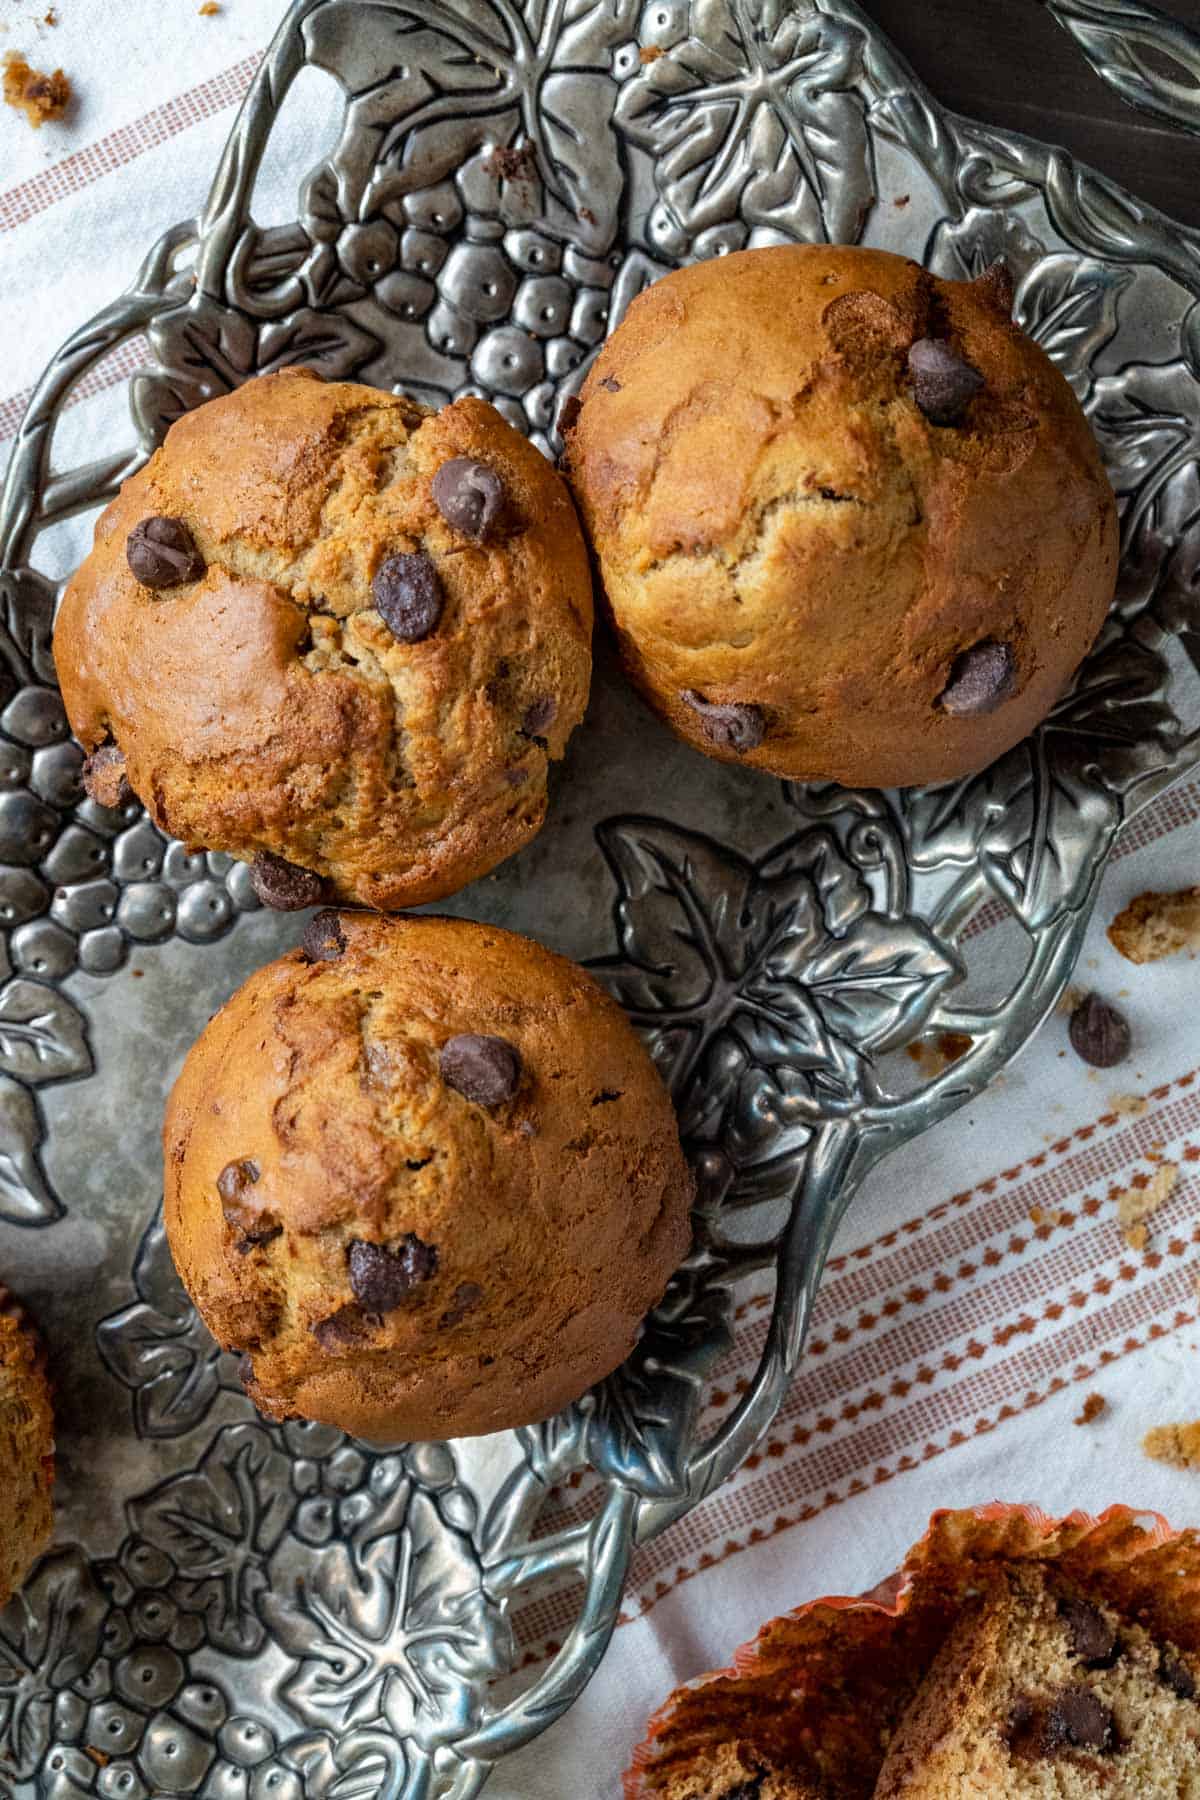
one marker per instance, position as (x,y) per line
(238,1610)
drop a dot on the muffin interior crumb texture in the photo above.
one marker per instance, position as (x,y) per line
(1178,1445)
(38,95)
(1156,925)
(1041,1693)
(1141,1200)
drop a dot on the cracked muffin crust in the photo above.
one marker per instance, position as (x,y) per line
(26,1448)
(850,520)
(336,635)
(424,1176)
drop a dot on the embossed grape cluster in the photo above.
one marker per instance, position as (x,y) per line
(86,891)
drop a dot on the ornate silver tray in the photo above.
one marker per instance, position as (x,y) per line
(240,1610)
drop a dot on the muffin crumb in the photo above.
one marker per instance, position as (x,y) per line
(1136,1203)
(1093,1406)
(1176,1445)
(37,95)
(1156,925)
(1129,1106)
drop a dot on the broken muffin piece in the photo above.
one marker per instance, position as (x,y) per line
(37,95)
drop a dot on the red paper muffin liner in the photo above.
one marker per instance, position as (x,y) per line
(818,1691)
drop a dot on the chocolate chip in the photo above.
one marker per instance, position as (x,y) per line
(1021,1719)
(538,716)
(486,1070)
(162,553)
(943,383)
(382,1278)
(568,414)
(728,725)
(104,777)
(245,1370)
(981,679)
(1079,1719)
(324,939)
(610,384)
(408,596)
(1099,1033)
(1093,1639)
(235,1178)
(283,885)
(1175,1672)
(255,1225)
(345,1326)
(469,496)
(465,1298)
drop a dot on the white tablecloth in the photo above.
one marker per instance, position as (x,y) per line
(955,1337)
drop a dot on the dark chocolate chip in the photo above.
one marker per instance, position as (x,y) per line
(610,384)
(1176,1674)
(1021,1719)
(465,1298)
(469,496)
(104,777)
(324,939)
(728,725)
(162,553)
(235,1178)
(1079,1719)
(345,1326)
(486,1070)
(283,885)
(1093,1639)
(255,1225)
(540,715)
(981,679)
(516,777)
(943,383)
(1099,1033)
(606,1096)
(245,1370)
(568,414)
(383,1278)
(408,596)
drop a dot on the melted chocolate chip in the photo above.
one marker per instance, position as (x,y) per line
(1080,1720)
(568,414)
(465,1298)
(345,1326)
(1099,1033)
(381,1278)
(981,679)
(1093,1639)
(255,1225)
(943,383)
(104,777)
(162,553)
(610,384)
(408,596)
(235,1178)
(539,716)
(1176,1674)
(728,725)
(469,496)
(324,939)
(283,885)
(486,1070)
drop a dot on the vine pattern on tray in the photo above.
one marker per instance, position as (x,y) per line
(289,1613)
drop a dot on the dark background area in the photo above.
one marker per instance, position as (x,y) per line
(1006,62)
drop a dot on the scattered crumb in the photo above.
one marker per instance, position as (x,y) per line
(137,973)
(1071,999)
(1129,1106)
(1093,1406)
(650,53)
(39,97)
(512,165)
(51,18)
(1178,1445)
(210,9)
(901,201)
(1134,1204)
(587,215)
(1039,1216)
(953,1044)
(1156,925)
(101,1758)
(939,1054)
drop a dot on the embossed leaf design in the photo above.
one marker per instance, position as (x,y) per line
(159,1347)
(42,1035)
(27,617)
(757,124)
(206,349)
(49,1636)
(1116,37)
(1068,305)
(390,1625)
(219,1524)
(641,1421)
(25,1197)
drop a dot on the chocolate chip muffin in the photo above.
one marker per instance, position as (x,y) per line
(26,1448)
(1041,1691)
(335,634)
(423,1175)
(851,522)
